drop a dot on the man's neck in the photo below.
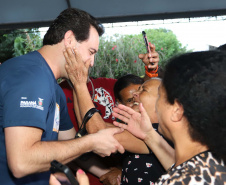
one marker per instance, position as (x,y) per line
(54,58)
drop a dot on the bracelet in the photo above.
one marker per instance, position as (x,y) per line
(82,130)
(153,73)
(89,115)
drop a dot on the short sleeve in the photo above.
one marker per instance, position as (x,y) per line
(26,98)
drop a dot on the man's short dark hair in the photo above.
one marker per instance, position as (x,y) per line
(198,82)
(222,47)
(124,82)
(78,21)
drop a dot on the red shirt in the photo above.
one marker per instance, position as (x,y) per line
(103,98)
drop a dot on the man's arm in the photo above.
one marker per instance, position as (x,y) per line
(27,154)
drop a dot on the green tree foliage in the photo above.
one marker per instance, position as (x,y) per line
(118,55)
(18,42)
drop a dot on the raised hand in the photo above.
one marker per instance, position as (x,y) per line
(76,68)
(138,124)
(151,60)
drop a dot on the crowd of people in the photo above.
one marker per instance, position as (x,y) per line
(165,128)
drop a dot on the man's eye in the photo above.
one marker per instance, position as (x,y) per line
(92,52)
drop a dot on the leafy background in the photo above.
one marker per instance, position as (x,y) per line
(117,55)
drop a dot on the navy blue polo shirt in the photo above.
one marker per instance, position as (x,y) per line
(30,96)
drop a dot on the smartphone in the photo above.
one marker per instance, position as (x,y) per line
(146,42)
(63,173)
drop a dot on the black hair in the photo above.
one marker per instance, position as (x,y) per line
(124,82)
(198,82)
(78,21)
(222,47)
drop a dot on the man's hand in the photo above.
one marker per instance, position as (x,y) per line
(76,68)
(105,143)
(138,124)
(111,177)
(151,60)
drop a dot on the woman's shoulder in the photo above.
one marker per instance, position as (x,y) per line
(203,168)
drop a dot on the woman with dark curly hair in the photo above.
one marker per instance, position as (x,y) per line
(191,110)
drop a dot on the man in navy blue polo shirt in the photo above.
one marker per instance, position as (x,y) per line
(33,111)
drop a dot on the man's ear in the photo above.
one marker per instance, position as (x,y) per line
(177,112)
(69,38)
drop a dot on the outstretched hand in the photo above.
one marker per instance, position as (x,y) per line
(76,68)
(138,124)
(151,60)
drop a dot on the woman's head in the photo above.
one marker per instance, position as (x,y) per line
(125,87)
(147,94)
(197,81)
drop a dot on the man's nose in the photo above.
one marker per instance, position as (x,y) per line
(92,61)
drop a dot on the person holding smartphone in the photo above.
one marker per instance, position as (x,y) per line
(149,59)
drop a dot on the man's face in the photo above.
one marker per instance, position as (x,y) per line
(127,94)
(147,94)
(89,48)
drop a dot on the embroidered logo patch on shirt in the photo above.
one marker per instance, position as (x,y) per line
(36,104)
